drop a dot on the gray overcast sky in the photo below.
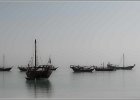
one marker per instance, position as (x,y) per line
(70,32)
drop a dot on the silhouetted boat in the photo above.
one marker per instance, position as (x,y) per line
(5,68)
(37,72)
(102,68)
(121,68)
(23,69)
(82,68)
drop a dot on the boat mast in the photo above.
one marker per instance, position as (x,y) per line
(32,61)
(123,60)
(3,61)
(35,54)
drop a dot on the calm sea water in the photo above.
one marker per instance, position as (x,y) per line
(64,83)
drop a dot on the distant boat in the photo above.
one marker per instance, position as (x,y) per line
(5,68)
(82,68)
(102,68)
(123,67)
(37,72)
(23,69)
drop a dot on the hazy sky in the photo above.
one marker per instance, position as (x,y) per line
(84,33)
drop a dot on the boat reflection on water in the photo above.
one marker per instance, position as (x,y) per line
(40,88)
(80,75)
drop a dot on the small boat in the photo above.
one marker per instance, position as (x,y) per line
(23,69)
(5,68)
(126,67)
(38,72)
(102,68)
(123,67)
(82,68)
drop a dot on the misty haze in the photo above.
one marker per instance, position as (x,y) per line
(89,33)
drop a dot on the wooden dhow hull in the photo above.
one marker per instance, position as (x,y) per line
(104,69)
(5,69)
(122,68)
(40,72)
(81,69)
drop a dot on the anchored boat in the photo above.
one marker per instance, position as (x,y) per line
(102,68)
(37,72)
(82,68)
(5,68)
(123,67)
